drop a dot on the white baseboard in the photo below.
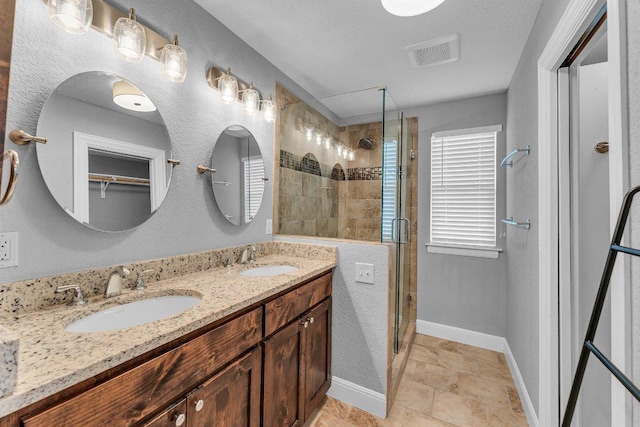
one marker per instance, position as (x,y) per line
(368,400)
(489,342)
(529,410)
(464,336)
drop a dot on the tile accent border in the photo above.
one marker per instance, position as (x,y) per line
(313,167)
(368,400)
(488,342)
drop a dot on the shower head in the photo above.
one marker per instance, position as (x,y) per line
(366,143)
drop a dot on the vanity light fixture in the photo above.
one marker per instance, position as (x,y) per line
(228,86)
(268,110)
(131,98)
(173,60)
(129,38)
(410,7)
(250,99)
(73,16)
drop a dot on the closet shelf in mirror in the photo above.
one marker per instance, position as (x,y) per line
(526,150)
(225,183)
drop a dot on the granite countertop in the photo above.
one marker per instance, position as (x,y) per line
(51,359)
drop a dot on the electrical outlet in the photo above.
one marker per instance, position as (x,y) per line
(364,273)
(8,249)
(269,226)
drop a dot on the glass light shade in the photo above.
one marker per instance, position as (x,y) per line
(308,133)
(128,96)
(410,7)
(73,16)
(268,110)
(250,100)
(129,39)
(228,86)
(173,61)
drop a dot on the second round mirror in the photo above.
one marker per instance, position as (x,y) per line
(238,183)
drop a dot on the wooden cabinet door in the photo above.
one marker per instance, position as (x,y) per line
(316,350)
(175,416)
(282,401)
(229,399)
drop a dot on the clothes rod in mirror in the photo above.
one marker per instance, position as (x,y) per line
(509,221)
(526,150)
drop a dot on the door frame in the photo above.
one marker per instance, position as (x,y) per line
(572,24)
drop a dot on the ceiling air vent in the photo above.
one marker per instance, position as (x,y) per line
(434,52)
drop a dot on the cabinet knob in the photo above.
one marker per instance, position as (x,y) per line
(199,405)
(179,419)
(304,323)
(311,320)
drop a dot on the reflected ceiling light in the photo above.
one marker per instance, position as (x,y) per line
(339,149)
(308,133)
(128,96)
(318,137)
(268,110)
(173,61)
(250,99)
(410,7)
(129,38)
(73,16)
(328,142)
(352,155)
(228,86)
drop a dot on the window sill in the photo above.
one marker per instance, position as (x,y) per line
(490,253)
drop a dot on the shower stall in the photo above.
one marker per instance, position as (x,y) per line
(352,182)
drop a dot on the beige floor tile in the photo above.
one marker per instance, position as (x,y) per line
(478,352)
(494,371)
(410,368)
(514,398)
(361,418)
(395,416)
(328,420)
(424,354)
(416,396)
(436,377)
(458,410)
(501,418)
(313,418)
(335,408)
(435,343)
(418,419)
(457,362)
(485,391)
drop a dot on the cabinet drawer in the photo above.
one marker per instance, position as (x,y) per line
(128,398)
(284,309)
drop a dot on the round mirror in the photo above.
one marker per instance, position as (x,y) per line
(106,159)
(238,183)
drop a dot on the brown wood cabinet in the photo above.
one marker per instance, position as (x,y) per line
(215,377)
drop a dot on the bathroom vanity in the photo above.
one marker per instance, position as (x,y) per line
(255,351)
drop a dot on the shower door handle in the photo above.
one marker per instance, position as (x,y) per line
(395,235)
(407,231)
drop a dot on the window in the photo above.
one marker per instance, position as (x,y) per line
(253,186)
(463,188)
(389,184)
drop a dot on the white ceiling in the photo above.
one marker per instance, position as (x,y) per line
(334,46)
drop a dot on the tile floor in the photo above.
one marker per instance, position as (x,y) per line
(445,384)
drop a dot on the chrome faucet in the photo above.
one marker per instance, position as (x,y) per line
(140,284)
(79,296)
(114,286)
(248,255)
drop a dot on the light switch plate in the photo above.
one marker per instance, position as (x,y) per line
(8,249)
(364,273)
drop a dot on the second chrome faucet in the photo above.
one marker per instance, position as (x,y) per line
(114,285)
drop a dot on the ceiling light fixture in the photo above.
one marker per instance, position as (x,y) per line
(73,16)
(128,96)
(410,7)
(268,110)
(250,99)
(129,38)
(173,61)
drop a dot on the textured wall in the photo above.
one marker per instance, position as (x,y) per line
(360,339)
(522,199)
(52,242)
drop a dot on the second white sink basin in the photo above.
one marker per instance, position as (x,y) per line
(268,270)
(133,314)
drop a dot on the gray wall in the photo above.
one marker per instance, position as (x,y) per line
(43,56)
(359,337)
(522,199)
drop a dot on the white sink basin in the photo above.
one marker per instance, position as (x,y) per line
(133,314)
(268,270)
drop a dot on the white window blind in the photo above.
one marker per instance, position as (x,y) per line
(253,186)
(389,187)
(463,188)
